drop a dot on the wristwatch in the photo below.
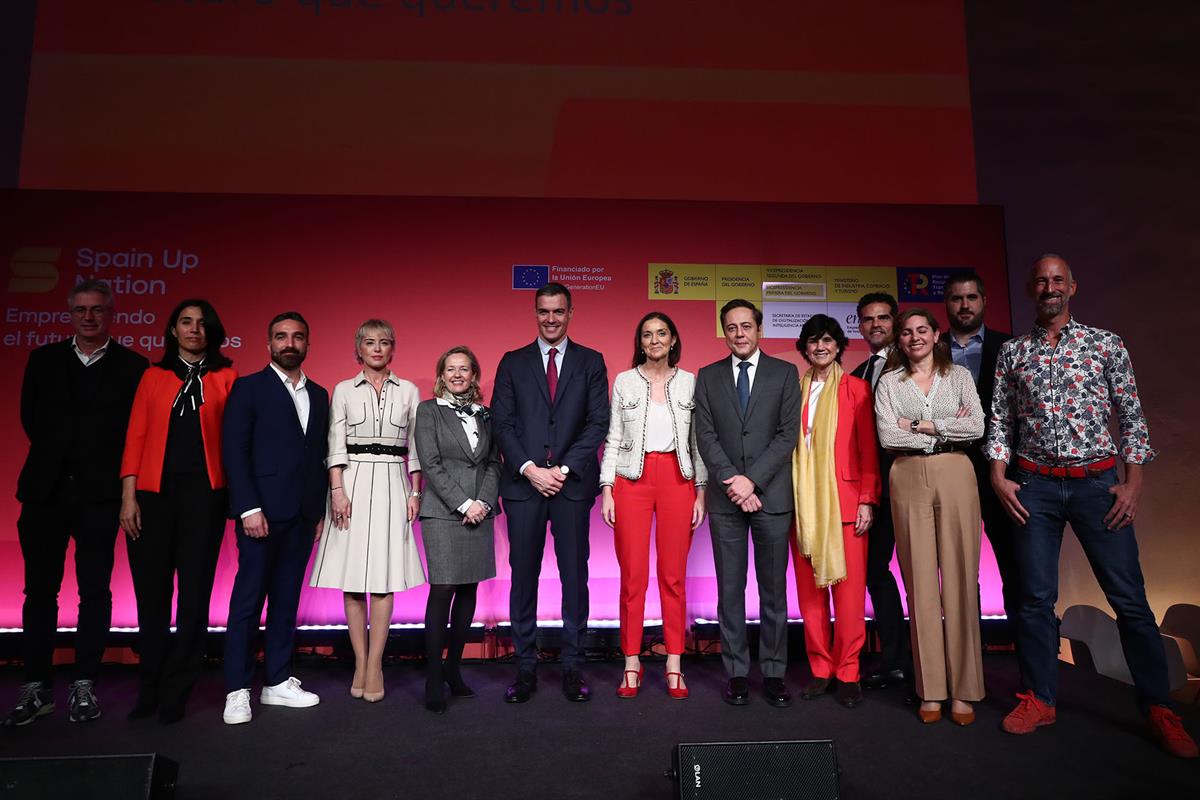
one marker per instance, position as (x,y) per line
(913,425)
(415,494)
(565,469)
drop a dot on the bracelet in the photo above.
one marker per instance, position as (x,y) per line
(335,488)
(415,494)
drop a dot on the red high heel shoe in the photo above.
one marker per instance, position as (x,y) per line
(679,692)
(626,690)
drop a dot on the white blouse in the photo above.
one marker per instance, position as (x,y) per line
(897,396)
(660,430)
(814,394)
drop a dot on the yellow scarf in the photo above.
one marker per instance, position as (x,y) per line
(814,483)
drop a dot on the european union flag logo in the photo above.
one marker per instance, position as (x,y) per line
(530,276)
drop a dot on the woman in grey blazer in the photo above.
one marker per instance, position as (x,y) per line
(461,462)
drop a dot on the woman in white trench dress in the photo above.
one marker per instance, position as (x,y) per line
(367,547)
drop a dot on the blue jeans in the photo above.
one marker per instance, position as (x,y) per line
(1083,502)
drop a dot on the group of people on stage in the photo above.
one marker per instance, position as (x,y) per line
(934,434)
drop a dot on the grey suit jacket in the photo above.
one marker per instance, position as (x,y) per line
(758,444)
(454,471)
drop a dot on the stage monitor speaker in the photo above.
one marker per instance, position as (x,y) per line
(797,770)
(146,776)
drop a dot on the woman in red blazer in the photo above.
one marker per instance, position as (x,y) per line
(835,475)
(174,503)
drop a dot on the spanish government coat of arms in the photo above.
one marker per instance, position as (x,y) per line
(666,282)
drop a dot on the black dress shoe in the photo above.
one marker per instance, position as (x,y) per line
(881,679)
(817,687)
(575,688)
(435,705)
(737,692)
(848,694)
(523,689)
(777,693)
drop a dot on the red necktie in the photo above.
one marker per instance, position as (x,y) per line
(552,373)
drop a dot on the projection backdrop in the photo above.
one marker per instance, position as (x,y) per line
(445,272)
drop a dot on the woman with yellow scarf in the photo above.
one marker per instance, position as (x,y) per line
(835,476)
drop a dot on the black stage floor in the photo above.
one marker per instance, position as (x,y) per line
(549,748)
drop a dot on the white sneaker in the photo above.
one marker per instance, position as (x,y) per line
(288,694)
(237,707)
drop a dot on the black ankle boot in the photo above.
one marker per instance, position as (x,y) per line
(435,699)
(458,687)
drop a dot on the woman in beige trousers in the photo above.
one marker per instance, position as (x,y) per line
(927,412)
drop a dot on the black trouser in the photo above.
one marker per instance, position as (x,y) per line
(999,528)
(44,530)
(182,527)
(885,596)
(527,542)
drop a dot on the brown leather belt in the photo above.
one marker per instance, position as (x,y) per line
(1083,471)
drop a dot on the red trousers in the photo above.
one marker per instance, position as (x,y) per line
(663,492)
(834,653)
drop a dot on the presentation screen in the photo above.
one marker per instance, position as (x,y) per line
(449,271)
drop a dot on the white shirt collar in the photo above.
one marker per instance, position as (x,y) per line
(883,351)
(283,376)
(545,346)
(99,350)
(753,358)
(361,378)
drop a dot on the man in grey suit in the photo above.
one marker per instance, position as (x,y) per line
(747,422)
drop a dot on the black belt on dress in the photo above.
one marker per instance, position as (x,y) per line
(376,450)
(938,449)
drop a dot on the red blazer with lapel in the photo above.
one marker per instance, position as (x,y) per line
(856,454)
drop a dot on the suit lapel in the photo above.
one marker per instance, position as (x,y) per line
(285,396)
(762,371)
(568,369)
(726,372)
(537,371)
(451,420)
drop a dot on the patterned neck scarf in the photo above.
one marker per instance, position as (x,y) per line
(461,403)
(191,393)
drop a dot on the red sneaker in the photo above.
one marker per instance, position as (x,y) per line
(1029,715)
(1168,730)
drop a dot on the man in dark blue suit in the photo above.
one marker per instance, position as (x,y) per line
(550,414)
(274,445)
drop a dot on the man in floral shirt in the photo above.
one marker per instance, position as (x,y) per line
(1056,388)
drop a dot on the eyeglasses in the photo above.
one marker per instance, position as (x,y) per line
(95,311)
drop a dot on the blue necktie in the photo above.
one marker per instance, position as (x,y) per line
(743,384)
